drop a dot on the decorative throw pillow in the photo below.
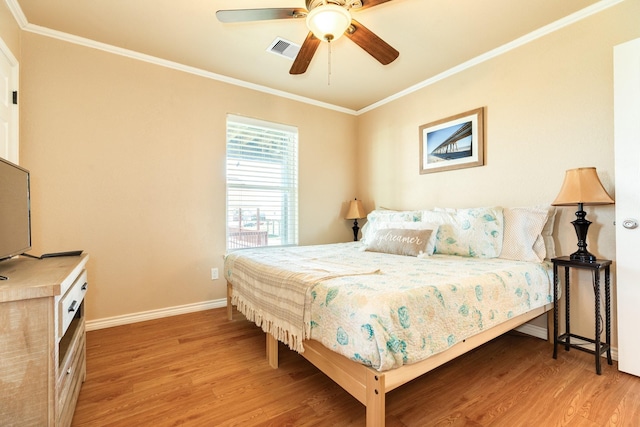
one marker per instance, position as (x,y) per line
(400,241)
(474,232)
(410,225)
(379,216)
(523,239)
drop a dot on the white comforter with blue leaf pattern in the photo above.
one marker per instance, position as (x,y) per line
(414,307)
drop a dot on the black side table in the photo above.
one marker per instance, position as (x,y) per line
(600,347)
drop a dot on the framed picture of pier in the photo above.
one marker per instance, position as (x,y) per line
(453,143)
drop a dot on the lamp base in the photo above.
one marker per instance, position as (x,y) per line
(582,256)
(355,229)
(581,225)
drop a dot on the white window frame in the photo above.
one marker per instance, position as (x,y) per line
(262,183)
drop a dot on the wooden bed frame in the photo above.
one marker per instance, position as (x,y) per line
(370,386)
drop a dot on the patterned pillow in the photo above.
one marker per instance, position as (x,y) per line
(475,232)
(379,216)
(399,241)
(523,240)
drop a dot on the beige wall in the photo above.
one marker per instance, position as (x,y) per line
(127,162)
(549,107)
(9,30)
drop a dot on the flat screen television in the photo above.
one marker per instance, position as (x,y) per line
(15,210)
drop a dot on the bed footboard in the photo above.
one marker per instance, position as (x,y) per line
(365,384)
(370,386)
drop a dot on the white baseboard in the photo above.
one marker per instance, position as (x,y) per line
(534,331)
(153,314)
(540,332)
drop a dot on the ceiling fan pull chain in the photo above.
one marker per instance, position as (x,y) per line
(329,64)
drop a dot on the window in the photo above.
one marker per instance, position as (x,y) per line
(262,183)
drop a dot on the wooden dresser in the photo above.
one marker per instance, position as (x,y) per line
(42,339)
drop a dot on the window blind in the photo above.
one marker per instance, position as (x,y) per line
(262,183)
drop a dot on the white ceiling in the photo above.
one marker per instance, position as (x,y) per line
(434,37)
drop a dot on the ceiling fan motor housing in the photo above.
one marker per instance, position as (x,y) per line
(347,4)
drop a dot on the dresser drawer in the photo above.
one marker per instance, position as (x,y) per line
(70,303)
(72,374)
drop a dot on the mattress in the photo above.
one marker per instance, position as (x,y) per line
(378,309)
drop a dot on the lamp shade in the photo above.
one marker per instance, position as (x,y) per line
(582,186)
(355,210)
(328,21)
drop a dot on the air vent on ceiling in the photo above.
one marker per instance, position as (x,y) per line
(284,48)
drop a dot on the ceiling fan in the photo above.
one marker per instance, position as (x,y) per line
(327,20)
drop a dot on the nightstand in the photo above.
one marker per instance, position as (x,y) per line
(600,347)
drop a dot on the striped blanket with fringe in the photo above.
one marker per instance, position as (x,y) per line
(271,287)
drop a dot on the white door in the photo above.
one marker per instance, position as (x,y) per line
(8,111)
(627,177)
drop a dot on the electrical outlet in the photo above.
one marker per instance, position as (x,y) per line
(214,273)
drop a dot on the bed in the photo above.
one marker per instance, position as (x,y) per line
(421,288)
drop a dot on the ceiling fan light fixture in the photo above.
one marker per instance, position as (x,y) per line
(328,21)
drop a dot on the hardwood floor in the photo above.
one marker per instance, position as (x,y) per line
(199,369)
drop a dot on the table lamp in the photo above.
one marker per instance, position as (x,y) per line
(356,211)
(581,187)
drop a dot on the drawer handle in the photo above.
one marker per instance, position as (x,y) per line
(85,286)
(72,307)
(69,371)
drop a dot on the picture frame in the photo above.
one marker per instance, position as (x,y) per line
(453,143)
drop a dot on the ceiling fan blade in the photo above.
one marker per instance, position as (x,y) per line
(305,55)
(370,3)
(245,15)
(374,45)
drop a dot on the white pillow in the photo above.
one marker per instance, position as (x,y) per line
(407,225)
(547,233)
(474,232)
(523,239)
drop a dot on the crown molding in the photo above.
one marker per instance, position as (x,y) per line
(17,13)
(21,19)
(70,38)
(527,38)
